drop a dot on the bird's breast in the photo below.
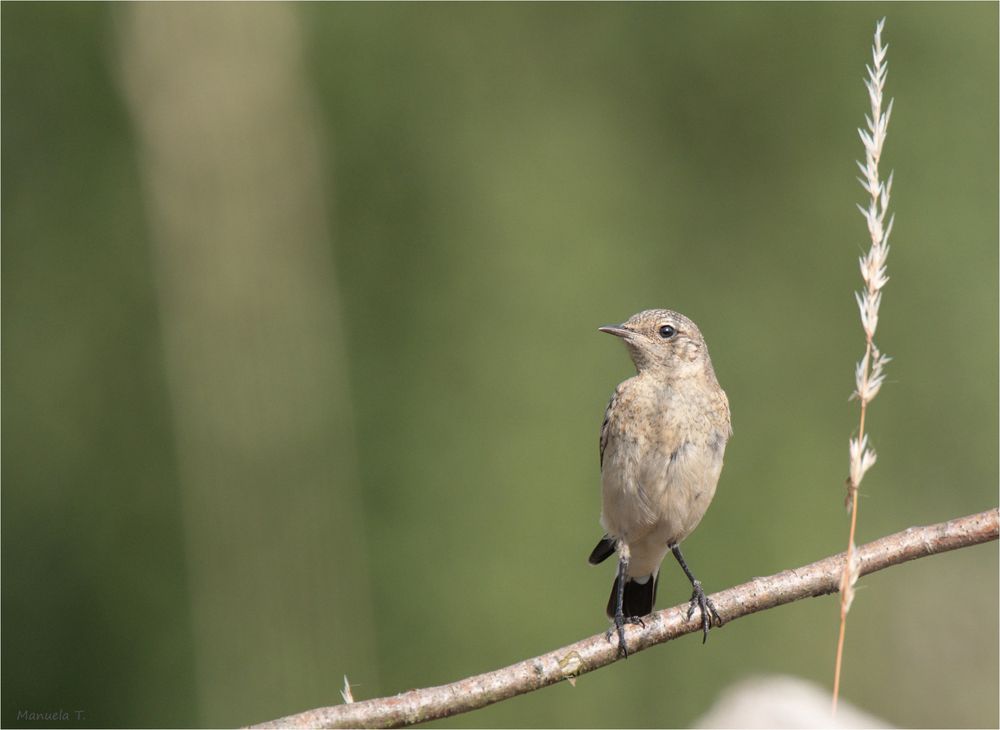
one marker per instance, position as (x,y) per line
(662,462)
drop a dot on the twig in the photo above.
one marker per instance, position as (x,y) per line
(868,373)
(817,579)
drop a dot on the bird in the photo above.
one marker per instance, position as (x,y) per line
(662,443)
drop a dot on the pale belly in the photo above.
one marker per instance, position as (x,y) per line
(653,498)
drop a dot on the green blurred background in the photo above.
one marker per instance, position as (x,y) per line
(301,375)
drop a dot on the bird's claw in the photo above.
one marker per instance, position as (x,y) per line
(709,615)
(619,627)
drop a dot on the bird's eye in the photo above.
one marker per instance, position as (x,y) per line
(667,331)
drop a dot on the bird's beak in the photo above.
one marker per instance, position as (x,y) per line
(615,329)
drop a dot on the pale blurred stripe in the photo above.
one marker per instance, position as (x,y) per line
(255,353)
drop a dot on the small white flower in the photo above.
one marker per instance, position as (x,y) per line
(346,693)
(848,579)
(862,459)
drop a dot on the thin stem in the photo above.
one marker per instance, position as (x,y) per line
(845,576)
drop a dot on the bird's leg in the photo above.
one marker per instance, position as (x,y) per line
(698,598)
(620,618)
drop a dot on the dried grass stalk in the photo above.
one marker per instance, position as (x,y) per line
(869,373)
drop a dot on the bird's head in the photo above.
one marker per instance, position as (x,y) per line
(662,340)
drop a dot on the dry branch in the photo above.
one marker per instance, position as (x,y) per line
(816,579)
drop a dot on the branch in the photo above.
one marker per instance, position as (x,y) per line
(817,579)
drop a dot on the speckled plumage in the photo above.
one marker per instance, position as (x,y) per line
(662,443)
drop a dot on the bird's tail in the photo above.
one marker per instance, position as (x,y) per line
(640,596)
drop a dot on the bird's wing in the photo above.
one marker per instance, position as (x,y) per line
(604,426)
(604,549)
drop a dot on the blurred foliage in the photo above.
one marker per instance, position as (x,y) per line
(502,179)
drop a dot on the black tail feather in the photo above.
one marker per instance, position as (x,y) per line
(639,597)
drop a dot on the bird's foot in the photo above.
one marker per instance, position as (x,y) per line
(619,627)
(709,615)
